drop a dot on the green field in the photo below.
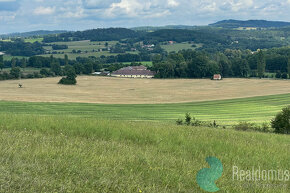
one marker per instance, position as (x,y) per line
(179,46)
(225,112)
(87,48)
(32,40)
(145,63)
(9,58)
(72,154)
(24,70)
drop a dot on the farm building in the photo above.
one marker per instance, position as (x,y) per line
(217,77)
(134,72)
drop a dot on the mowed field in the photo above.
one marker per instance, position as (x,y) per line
(228,101)
(108,90)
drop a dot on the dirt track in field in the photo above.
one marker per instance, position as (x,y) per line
(110,90)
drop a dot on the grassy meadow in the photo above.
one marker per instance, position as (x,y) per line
(73,154)
(87,48)
(225,112)
(179,46)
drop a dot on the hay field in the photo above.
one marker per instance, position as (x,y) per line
(108,90)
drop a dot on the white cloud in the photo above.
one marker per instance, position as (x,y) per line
(173,3)
(44,10)
(18,15)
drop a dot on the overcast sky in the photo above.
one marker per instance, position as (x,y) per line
(29,15)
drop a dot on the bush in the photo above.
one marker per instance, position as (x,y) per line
(284,75)
(196,122)
(70,78)
(187,118)
(244,126)
(281,123)
(179,121)
(278,75)
(67,81)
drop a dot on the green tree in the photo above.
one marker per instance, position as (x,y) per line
(288,66)
(66,59)
(224,64)
(23,63)
(88,68)
(13,63)
(15,73)
(240,67)
(78,68)
(281,123)
(55,68)
(1,62)
(70,78)
(261,64)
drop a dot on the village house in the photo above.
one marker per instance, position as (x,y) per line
(217,77)
(133,72)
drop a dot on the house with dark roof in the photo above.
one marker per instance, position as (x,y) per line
(134,72)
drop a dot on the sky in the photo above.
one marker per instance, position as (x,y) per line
(30,15)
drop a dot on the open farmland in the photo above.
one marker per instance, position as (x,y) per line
(110,90)
(86,47)
(228,101)
(179,46)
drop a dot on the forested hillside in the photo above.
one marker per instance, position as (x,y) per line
(250,23)
(109,34)
(32,34)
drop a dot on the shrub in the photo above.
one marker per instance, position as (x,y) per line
(179,121)
(187,118)
(67,81)
(266,128)
(197,122)
(281,123)
(244,126)
(278,75)
(213,124)
(70,78)
(284,75)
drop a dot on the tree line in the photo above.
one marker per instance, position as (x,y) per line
(230,63)
(184,64)
(21,48)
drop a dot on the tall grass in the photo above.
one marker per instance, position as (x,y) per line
(71,154)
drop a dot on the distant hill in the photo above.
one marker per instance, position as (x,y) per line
(250,23)
(155,28)
(32,33)
(107,34)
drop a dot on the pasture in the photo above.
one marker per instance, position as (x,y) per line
(86,47)
(72,154)
(32,40)
(179,46)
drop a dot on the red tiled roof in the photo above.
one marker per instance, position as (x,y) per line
(217,76)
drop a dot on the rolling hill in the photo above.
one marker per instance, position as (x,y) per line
(250,23)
